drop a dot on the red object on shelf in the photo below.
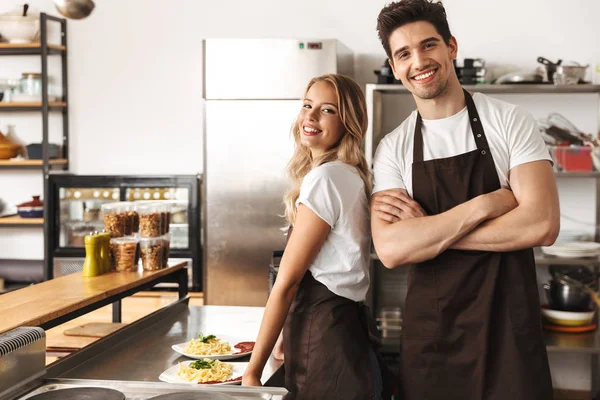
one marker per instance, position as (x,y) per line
(573,159)
(570,329)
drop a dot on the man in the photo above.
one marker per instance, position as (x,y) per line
(464,189)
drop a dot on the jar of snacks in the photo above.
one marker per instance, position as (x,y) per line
(123,254)
(151,250)
(165,214)
(114,219)
(166,249)
(150,220)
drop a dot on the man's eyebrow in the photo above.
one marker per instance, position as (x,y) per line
(424,41)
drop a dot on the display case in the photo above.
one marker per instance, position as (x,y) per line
(74,210)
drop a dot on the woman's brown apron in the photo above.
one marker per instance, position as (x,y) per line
(472,327)
(326,343)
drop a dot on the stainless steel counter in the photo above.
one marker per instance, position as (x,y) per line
(142,350)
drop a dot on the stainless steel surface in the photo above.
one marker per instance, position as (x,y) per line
(145,353)
(247,147)
(279,68)
(148,390)
(22,357)
(245,182)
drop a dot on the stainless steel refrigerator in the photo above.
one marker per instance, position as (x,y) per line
(252,94)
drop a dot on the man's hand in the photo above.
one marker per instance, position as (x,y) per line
(395,205)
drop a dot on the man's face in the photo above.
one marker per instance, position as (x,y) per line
(421,59)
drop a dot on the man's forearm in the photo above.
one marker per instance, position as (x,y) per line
(419,239)
(521,228)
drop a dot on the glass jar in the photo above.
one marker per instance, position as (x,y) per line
(30,84)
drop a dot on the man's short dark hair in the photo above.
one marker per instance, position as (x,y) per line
(395,15)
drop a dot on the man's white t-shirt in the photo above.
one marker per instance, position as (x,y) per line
(336,193)
(512,133)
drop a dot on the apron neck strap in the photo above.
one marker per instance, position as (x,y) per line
(474,120)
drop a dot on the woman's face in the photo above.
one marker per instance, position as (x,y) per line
(319,120)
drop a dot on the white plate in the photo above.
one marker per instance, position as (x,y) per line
(170,375)
(577,246)
(573,249)
(180,348)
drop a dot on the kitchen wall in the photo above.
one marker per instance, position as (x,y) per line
(135,81)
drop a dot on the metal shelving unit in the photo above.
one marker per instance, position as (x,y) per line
(43,49)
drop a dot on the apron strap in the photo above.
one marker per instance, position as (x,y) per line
(474,120)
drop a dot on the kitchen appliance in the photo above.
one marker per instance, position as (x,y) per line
(74,210)
(249,110)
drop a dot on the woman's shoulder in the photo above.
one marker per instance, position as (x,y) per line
(336,171)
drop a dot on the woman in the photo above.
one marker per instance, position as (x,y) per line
(323,276)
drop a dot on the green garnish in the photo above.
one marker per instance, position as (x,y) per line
(205,339)
(202,364)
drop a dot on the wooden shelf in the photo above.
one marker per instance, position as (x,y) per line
(31,163)
(18,221)
(29,48)
(31,106)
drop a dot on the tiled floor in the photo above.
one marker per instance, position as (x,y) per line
(133,308)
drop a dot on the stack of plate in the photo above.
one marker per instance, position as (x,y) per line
(571,236)
(573,249)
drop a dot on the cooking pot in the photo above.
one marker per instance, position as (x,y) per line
(550,67)
(566,298)
(569,74)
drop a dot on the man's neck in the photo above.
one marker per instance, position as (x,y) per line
(448,103)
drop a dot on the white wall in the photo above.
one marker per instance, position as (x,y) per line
(135,75)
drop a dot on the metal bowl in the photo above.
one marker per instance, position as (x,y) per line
(566,298)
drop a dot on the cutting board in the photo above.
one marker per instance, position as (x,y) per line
(94,329)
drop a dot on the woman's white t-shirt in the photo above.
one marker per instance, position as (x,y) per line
(512,133)
(336,193)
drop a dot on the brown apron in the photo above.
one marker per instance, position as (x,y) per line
(472,325)
(326,341)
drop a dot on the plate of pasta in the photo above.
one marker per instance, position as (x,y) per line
(205,372)
(214,347)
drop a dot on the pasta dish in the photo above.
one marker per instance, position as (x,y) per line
(205,371)
(207,346)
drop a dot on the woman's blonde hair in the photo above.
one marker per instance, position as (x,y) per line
(353,114)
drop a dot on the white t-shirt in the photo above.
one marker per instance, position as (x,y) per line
(512,133)
(336,193)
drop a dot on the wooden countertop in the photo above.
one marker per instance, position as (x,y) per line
(43,302)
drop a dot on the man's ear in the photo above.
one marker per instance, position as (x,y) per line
(453,47)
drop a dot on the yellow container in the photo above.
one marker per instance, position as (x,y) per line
(92,265)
